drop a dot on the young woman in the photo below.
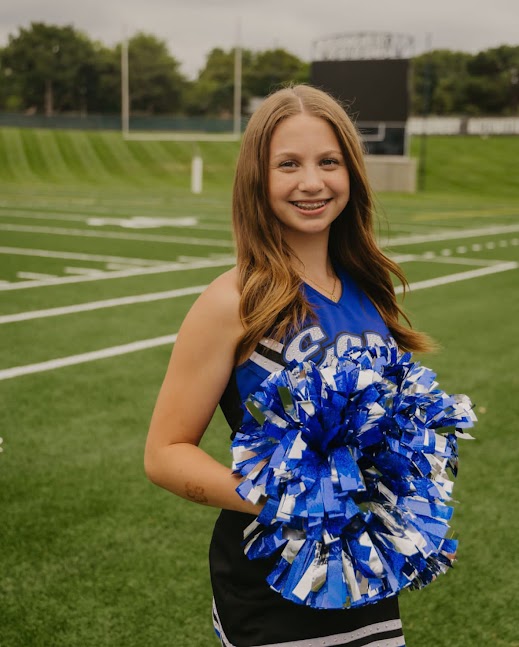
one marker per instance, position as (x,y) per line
(310,281)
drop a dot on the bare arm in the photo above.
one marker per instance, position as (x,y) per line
(198,372)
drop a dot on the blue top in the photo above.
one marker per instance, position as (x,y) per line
(352,321)
(246,610)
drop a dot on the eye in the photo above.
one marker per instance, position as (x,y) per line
(330,161)
(287,164)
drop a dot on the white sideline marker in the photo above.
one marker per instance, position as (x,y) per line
(17,371)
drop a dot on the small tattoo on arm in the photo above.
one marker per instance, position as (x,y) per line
(196,493)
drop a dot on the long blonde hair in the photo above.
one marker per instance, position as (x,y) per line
(271,299)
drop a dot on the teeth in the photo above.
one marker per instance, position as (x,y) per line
(310,206)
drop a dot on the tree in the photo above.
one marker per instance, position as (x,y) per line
(486,83)
(10,96)
(156,83)
(52,66)
(213,91)
(492,87)
(438,82)
(273,68)
(105,95)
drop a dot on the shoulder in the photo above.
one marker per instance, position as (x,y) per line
(218,307)
(222,296)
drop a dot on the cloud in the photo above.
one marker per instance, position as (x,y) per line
(193,27)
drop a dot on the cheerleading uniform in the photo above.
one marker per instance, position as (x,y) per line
(246,611)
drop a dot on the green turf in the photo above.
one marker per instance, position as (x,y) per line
(91,554)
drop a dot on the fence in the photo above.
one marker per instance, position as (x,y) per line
(113,122)
(463,126)
(432,125)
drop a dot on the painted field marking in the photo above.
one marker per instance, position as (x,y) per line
(17,371)
(129,221)
(414,239)
(140,222)
(141,271)
(98,305)
(118,266)
(395,241)
(169,294)
(431,257)
(83,271)
(71,360)
(74,256)
(458,276)
(35,276)
(86,233)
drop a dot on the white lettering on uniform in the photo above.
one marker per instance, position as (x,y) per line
(375,339)
(301,347)
(345,341)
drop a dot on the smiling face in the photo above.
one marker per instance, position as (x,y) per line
(308,181)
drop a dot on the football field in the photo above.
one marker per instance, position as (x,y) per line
(102,251)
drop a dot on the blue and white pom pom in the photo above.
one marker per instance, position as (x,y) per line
(352,460)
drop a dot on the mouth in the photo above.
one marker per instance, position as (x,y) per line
(310,205)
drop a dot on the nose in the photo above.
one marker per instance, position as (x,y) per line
(311,180)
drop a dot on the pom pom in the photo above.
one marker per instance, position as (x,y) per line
(352,461)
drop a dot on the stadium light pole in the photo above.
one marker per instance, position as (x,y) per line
(237,81)
(125,88)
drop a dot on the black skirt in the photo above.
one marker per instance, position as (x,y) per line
(248,613)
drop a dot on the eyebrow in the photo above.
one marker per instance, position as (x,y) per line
(322,154)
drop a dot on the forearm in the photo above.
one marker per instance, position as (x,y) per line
(189,472)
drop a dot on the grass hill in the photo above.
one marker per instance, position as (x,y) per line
(473,165)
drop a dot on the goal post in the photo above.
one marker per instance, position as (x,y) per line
(180,136)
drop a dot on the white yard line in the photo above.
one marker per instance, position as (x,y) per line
(450,235)
(17,371)
(141,271)
(87,233)
(86,271)
(74,256)
(450,260)
(169,221)
(459,276)
(99,305)
(170,294)
(71,360)
(34,276)
(394,241)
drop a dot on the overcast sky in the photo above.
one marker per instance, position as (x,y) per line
(193,27)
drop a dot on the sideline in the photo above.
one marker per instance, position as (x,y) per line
(17,371)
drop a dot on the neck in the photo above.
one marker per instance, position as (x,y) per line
(311,255)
